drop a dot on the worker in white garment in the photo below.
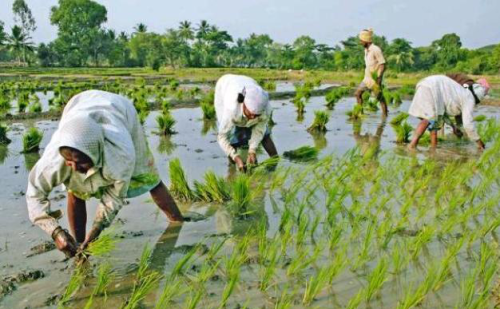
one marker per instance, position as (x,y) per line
(98,150)
(243,111)
(440,96)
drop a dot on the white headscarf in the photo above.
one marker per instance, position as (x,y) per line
(256,99)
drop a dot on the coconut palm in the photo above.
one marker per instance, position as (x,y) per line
(202,30)
(185,30)
(140,28)
(19,44)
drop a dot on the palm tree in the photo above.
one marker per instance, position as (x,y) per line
(19,44)
(402,60)
(140,28)
(185,30)
(202,30)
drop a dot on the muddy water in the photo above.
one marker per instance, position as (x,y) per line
(139,222)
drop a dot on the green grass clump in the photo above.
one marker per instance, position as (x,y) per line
(4,140)
(179,186)
(208,111)
(31,140)
(302,154)
(321,118)
(240,196)
(214,188)
(335,95)
(356,113)
(397,120)
(403,132)
(165,123)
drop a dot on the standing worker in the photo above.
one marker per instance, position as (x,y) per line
(440,96)
(98,150)
(374,71)
(243,112)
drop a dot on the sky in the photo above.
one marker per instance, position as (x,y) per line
(327,21)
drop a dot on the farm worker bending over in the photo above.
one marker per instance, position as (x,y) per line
(440,96)
(374,71)
(243,111)
(99,150)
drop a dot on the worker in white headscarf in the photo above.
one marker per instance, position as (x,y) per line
(375,66)
(243,112)
(98,150)
(438,97)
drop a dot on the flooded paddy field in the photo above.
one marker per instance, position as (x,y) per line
(368,224)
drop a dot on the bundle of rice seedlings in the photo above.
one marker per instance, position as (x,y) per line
(31,140)
(208,110)
(165,123)
(179,186)
(403,132)
(480,118)
(398,119)
(356,112)
(268,85)
(240,196)
(372,105)
(365,97)
(300,104)
(166,106)
(4,140)
(174,84)
(332,98)
(396,98)
(321,118)
(5,105)
(302,154)
(103,245)
(214,189)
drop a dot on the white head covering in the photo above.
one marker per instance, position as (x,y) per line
(256,99)
(480,91)
(84,134)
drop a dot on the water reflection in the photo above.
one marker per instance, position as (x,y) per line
(4,153)
(165,145)
(30,159)
(368,143)
(208,125)
(319,140)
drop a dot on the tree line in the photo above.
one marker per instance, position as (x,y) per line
(82,40)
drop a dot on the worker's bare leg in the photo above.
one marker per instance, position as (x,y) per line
(419,131)
(166,203)
(383,105)
(434,138)
(269,146)
(77,217)
(359,96)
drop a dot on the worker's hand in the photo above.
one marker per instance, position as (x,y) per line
(64,242)
(480,145)
(458,133)
(252,158)
(239,163)
(91,236)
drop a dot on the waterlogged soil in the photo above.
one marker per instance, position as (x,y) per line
(24,248)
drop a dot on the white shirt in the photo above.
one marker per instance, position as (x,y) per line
(438,95)
(122,155)
(230,113)
(373,60)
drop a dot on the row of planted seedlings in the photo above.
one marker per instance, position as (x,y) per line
(24,97)
(341,232)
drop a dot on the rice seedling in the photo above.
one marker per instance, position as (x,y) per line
(480,118)
(194,299)
(398,119)
(214,189)
(229,288)
(179,185)
(31,140)
(356,113)
(102,245)
(268,85)
(269,254)
(170,291)
(165,123)
(183,262)
(240,196)
(74,284)
(208,111)
(105,276)
(302,154)
(174,85)
(321,118)
(5,105)
(315,284)
(4,140)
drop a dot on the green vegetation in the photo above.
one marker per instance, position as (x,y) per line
(31,140)
(179,186)
(165,123)
(303,154)
(321,118)
(4,140)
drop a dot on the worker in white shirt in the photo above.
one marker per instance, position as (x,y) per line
(99,150)
(243,112)
(438,97)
